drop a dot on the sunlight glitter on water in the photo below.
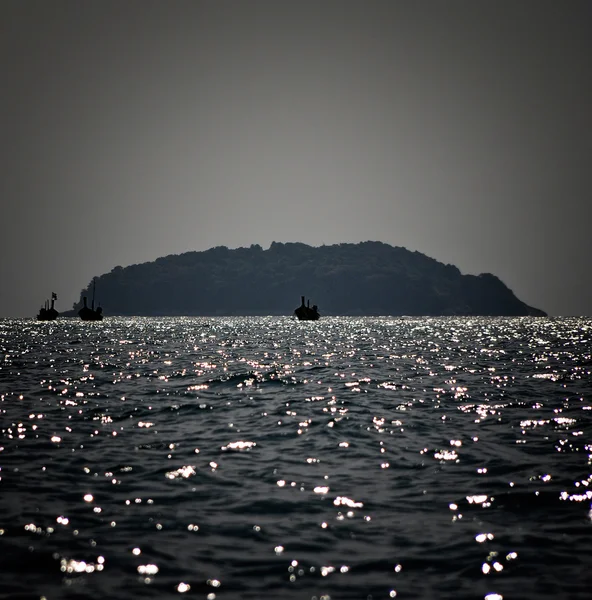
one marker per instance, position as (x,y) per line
(244,446)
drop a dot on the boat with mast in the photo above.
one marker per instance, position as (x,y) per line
(306,313)
(90,314)
(47,312)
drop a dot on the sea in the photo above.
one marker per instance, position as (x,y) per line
(263,457)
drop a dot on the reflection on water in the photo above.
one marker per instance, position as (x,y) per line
(267,457)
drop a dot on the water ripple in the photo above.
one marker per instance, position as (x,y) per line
(250,457)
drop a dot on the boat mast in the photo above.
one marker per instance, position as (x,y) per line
(93,298)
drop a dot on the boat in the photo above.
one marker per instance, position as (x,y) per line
(90,314)
(305,313)
(47,312)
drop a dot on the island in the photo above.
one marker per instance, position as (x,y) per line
(355,279)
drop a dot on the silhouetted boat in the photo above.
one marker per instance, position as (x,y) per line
(47,312)
(90,314)
(306,313)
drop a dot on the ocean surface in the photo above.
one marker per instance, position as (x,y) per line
(260,457)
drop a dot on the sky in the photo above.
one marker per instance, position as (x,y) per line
(131,130)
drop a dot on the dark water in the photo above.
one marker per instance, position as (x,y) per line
(249,458)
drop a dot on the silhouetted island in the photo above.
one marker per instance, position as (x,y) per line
(306,313)
(369,278)
(47,312)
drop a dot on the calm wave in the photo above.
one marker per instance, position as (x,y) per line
(242,458)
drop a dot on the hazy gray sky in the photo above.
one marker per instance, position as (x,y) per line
(132,129)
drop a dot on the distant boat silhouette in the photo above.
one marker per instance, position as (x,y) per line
(306,313)
(47,312)
(90,314)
